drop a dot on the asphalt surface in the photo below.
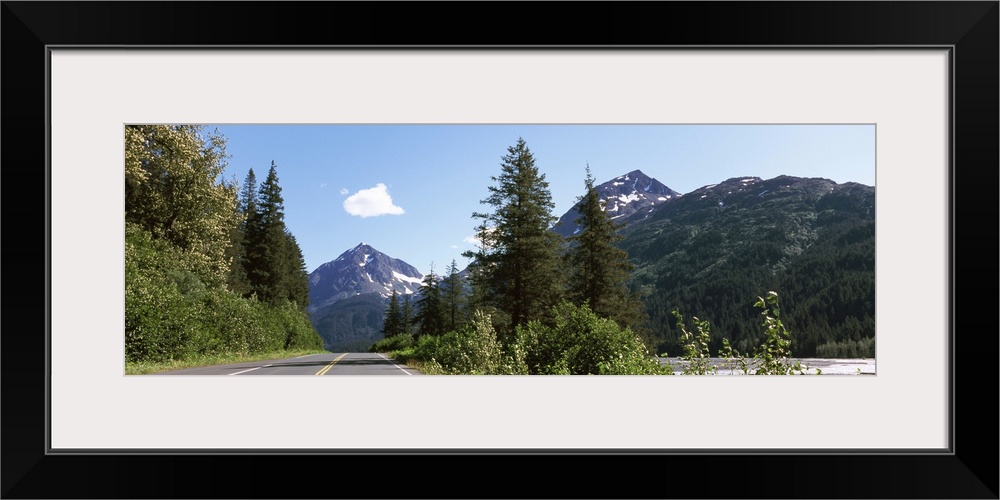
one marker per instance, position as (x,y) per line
(350,363)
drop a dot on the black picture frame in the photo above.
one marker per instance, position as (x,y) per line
(969,470)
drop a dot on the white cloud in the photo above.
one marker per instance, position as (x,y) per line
(454,246)
(344,191)
(322,185)
(371,202)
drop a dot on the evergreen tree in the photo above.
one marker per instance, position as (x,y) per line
(248,200)
(297,276)
(600,271)
(272,204)
(429,310)
(407,323)
(246,207)
(392,324)
(275,267)
(452,297)
(519,255)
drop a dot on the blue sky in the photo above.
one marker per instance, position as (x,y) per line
(410,190)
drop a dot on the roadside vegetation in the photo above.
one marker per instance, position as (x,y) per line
(771,357)
(578,342)
(209,275)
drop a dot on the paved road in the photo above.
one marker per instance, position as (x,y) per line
(349,363)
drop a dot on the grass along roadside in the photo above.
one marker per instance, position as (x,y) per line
(144,367)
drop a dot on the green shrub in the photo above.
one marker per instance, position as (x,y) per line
(473,350)
(160,323)
(772,357)
(695,357)
(405,355)
(235,322)
(578,342)
(394,343)
(299,332)
(171,314)
(426,347)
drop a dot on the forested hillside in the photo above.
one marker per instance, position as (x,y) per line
(710,253)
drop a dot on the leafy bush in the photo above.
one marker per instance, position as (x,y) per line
(394,343)
(239,326)
(473,350)
(299,332)
(160,323)
(426,348)
(772,357)
(695,347)
(581,343)
(171,314)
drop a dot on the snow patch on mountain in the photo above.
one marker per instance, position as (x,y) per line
(622,199)
(628,198)
(407,279)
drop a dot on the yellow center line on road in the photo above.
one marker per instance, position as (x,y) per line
(327,367)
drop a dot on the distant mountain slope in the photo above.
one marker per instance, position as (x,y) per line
(624,197)
(712,251)
(348,296)
(351,324)
(359,271)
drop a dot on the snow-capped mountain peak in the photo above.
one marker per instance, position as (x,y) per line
(361,270)
(623,196)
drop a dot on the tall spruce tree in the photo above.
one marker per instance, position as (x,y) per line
(392,324)
(430,316)
(275,267)
(248,200)
(519,255)
(407,323)
(297,275)
(599,270)
(452,297)
(246,208)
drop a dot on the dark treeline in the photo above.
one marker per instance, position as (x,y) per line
(207,270)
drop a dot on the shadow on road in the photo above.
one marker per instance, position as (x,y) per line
(363,362)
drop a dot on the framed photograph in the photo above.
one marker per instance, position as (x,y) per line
(921,75)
